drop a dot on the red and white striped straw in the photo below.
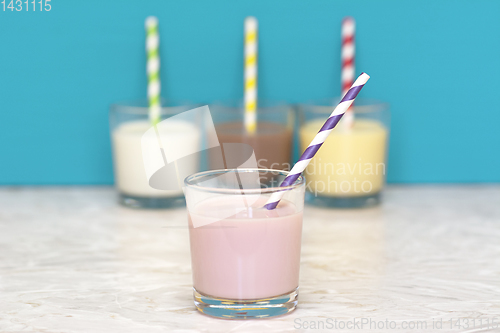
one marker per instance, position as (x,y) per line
(348,64)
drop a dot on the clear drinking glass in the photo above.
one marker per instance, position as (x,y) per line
(349,170)
(128,123)
(245,258)
(273,139)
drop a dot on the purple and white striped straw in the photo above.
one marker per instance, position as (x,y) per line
(319,139)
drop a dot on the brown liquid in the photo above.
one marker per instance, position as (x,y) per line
(272,143)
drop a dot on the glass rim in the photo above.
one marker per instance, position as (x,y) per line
(140,107)
(264,105)
(360,105)
(188,181)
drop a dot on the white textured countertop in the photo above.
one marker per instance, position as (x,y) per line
(72,260)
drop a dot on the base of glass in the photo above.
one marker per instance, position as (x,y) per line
(246,309)
(343,202)
(151,202)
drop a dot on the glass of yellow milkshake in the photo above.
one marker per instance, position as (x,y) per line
(350,168)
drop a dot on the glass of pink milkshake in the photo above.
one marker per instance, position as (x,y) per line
(245,258)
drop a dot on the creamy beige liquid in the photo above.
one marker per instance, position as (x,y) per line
(350,163)
(130,174)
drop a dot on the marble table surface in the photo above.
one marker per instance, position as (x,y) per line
(72,260)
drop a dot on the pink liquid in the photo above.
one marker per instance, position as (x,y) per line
(243,257)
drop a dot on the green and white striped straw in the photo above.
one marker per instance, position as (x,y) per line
(153,69)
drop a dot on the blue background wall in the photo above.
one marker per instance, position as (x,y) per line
(436,62)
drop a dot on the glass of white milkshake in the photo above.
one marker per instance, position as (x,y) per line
(349,170)
(128,123)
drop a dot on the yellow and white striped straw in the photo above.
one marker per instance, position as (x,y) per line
(153,69)
(251,74)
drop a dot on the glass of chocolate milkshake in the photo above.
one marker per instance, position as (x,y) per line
(272,140)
